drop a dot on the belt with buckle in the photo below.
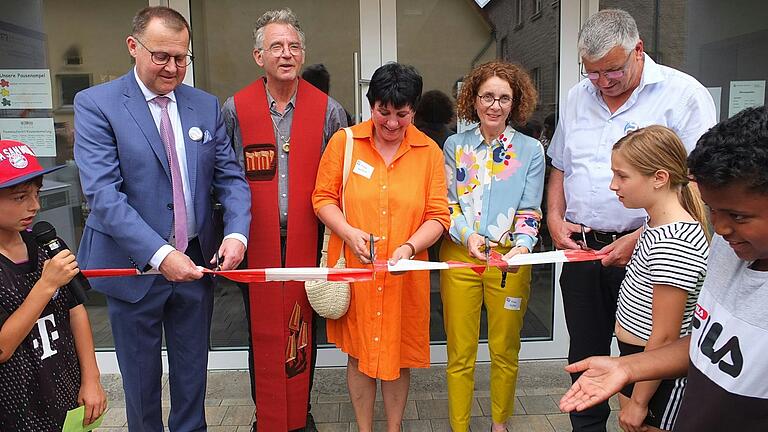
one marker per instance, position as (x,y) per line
(587,236)
(605,237)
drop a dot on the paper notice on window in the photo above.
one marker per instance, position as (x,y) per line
(37,133)
(716,93)
(462,125)
(25,89)
(745,94)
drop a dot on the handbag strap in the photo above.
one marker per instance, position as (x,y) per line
(347,164)
(348,147)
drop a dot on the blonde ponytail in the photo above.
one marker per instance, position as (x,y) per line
(691,201)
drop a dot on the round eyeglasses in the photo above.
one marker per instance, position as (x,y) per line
(278,50)
(488,100)
(161,58)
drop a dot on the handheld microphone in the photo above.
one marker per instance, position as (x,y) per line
(45,236)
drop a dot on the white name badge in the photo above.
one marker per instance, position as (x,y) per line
(363,169)
(512,303)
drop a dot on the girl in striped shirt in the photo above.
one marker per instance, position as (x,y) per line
(667,268)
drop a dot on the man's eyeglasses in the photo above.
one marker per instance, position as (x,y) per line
(611,74)
(488,100)
(161,58)
(278,50)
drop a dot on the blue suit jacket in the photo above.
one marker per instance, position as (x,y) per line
(126,179)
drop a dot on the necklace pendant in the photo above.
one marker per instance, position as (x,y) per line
(286,146)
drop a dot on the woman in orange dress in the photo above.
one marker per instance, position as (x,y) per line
(395,191)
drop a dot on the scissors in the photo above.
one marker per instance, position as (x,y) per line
(487,257)
(372,249)
(583,243)
(219,260)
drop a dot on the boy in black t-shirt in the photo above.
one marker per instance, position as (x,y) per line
(47,360)
(724,356)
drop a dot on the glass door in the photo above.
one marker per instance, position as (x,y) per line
(444,40)
(223,43)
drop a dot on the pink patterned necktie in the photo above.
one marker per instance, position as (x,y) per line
(179,205)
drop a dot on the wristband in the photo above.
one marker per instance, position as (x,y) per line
(413,249)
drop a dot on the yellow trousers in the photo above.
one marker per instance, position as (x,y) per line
(463,292)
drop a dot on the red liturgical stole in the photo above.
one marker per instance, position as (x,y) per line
(281,318)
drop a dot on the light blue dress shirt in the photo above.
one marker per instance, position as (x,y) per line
(586,131)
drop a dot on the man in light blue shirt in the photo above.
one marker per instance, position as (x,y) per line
(623,90)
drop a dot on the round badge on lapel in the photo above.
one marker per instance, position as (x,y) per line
(195,134)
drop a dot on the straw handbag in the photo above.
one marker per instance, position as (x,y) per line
(331,299)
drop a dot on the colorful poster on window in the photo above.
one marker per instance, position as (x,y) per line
(25,89)
(745,94)
(38,133)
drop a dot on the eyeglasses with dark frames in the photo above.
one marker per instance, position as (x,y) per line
(162,58)
(488,100)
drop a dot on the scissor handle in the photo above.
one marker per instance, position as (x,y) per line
(372,249)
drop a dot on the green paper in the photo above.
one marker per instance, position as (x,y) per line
(74,421)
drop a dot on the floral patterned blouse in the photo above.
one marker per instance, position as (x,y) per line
(495,190)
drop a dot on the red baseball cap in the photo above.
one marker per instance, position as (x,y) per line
(18,164)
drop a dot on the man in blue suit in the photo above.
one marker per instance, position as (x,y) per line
(150,151)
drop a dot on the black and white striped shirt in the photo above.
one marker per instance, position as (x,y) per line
(674,254)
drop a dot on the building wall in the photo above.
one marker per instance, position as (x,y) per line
(533,43)
(666,42)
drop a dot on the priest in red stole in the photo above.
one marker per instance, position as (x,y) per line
(279,125)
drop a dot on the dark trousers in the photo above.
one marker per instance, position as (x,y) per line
(590,294)
(182,312)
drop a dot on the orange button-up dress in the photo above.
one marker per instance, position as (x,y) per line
(387,325)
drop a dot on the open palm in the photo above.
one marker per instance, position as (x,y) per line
(602,378)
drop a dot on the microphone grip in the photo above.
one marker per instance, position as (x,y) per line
(79,284)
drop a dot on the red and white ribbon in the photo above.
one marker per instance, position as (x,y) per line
(303,274)
(495,260)
(260,275)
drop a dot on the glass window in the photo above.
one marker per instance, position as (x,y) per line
(722,44)
(223,44)
(474,42)
(536,7)
(51,37)
(535,46)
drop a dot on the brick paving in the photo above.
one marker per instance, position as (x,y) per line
(230,409)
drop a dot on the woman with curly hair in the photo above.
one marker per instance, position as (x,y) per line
(495,178)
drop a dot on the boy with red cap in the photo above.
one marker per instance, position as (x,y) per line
(47,360)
